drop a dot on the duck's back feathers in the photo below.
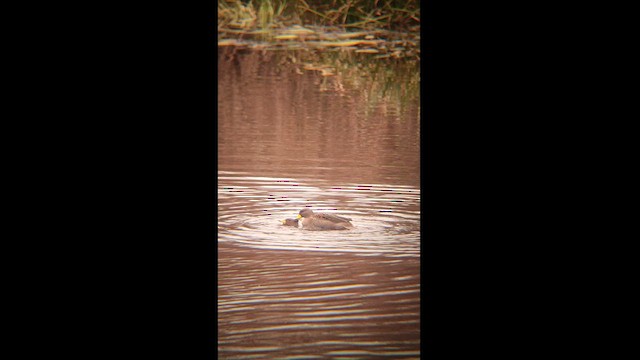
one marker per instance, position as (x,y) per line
(319,221)
(331,217)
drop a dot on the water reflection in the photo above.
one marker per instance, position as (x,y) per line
(288,141)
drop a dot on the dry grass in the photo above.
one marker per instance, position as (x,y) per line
(361,14)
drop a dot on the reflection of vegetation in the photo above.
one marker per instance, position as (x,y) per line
(368,46)
(392,82)
(392,85)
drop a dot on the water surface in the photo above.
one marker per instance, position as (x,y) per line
(290,139)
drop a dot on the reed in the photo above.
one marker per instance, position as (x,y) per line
(236,15)
(362,14)
(363,45)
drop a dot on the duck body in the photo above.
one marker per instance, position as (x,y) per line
(290,222)
(319,221)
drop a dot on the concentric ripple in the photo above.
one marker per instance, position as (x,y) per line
(386,218)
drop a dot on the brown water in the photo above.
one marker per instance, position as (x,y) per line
(290,139)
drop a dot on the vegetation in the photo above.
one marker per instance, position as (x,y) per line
(369,45)
(378,27)
(359,14)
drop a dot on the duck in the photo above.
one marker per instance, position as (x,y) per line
(320,221)
(290,222)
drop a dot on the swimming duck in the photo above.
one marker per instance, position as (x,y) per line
(290,222)
(318,221)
